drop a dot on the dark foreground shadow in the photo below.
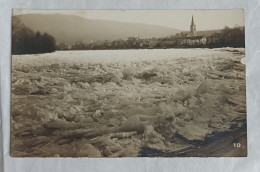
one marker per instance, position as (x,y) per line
(221,144)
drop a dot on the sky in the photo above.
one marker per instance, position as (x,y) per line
(178,19)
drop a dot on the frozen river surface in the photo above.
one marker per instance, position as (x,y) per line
(124,103)
(118,56)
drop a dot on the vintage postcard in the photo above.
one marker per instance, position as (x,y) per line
(128,83)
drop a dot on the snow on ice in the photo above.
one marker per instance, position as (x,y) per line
(114,103)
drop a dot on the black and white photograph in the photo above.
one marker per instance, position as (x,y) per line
(128,83)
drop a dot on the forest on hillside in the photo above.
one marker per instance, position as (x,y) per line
(230,37)
(26,41)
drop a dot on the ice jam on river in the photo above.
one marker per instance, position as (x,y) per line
(129,103)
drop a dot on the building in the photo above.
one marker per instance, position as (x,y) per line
(192,41)
(191,38)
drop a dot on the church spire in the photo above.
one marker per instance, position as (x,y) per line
(192,21)
(192,27)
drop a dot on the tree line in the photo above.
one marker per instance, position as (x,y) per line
(230,37)
(26,41)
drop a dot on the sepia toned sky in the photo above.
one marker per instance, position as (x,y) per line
(179,19)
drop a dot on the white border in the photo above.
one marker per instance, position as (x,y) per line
(251,163)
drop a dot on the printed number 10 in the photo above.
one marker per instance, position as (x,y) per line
(237,145)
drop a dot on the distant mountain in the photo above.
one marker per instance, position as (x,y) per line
(70,29)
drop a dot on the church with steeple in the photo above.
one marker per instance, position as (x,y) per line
(191,38)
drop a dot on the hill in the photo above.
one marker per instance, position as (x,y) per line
(70,29)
